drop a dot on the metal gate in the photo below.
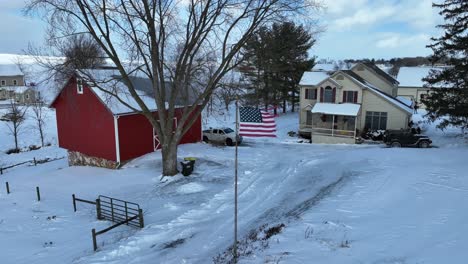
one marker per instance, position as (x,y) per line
(117,211)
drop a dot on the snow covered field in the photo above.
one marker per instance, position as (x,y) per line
(339,203)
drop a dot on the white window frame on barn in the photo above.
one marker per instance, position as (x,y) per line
(79,86)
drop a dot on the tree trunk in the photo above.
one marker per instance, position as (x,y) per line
(169,159)
(284,105)
(42,136)
(293,100)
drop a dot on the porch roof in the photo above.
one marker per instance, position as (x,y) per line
(336,109)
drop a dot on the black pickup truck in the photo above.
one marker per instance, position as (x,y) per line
(406,138)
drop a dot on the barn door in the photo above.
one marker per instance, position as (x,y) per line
(156,142)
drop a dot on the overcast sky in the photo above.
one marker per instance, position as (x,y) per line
(354,28)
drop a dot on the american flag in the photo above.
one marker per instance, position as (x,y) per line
(256,123)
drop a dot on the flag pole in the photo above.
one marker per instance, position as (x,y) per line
(235,181)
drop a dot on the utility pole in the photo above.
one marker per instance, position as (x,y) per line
(235,182)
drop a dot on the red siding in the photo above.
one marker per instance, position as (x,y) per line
(135,136)
(84,124)
(194,134)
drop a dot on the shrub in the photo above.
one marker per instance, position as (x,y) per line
(34,147)
(13,150)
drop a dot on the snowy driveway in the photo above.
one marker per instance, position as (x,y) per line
(340,204)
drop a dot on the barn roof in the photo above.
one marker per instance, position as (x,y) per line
(107,82)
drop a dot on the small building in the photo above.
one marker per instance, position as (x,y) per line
(13,86)
(412,85)
(98,130)
(337,106)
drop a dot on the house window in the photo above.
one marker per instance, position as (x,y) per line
(360,68)
(350,96)
(376,120)
(311,94)
(423,96)
(27,96)
(3,83)
(15,82)
(328,95)
(340,77)
(308,118)
(79,86)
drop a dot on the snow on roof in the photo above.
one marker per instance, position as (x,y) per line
(16,89)
(10,70)
(412,76)
(324,67)
(405,100)
(313,78)
(336,109)
(106,82)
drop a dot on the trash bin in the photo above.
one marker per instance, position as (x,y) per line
(187,165)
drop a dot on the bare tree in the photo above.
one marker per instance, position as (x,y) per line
(166,41)
(39,116)
(15,118)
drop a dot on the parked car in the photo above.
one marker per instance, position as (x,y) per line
(406,138)
(221,135)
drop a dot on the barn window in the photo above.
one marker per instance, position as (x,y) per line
(15,82)
(3,83)
(79,86)
(340,77)
(360,68)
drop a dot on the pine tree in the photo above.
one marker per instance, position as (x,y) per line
(276,58)
(450,103)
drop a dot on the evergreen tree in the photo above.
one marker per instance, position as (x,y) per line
(276,58)
(450,103)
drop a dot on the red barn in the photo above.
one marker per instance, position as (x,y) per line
(98,129)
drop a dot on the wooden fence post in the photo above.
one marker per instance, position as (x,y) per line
(1,171)
(74,202)
(93,232)
(38,194)
(7,188)
(35,162)
(140,217)
(98,209)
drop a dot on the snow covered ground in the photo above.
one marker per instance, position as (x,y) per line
(339,203)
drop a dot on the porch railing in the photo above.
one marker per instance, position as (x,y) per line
(333,132)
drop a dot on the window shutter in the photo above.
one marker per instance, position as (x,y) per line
(322,91)
(315,94)
(344,97)
(355,97)
(306,94)
(333,95)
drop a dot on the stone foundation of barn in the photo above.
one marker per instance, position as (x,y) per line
(79,159)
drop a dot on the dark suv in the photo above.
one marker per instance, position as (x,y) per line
(405,138)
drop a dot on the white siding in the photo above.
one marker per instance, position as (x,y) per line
(375,80)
